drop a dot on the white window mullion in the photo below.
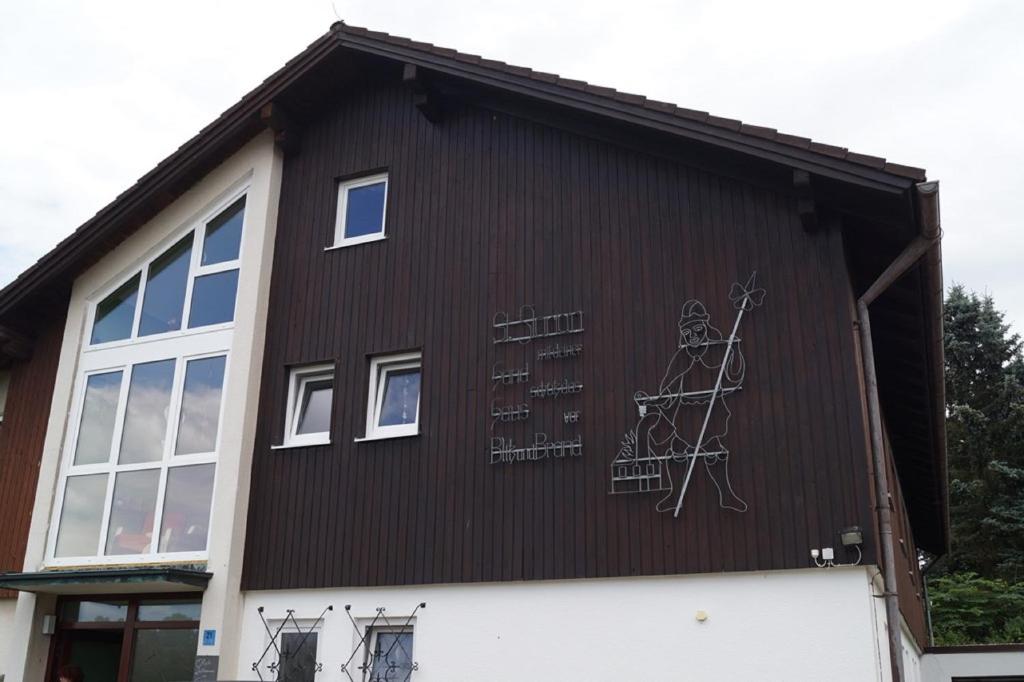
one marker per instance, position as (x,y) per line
(158,513)
(193,267)
(170,441)
(214,268)
(124,355)
(174,409)
(107,502)
(58,509)
(122,409)
(143,281)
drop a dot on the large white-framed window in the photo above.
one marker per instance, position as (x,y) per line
(310,403)
(140,452)
(362,210)
(393,404)
(190,284)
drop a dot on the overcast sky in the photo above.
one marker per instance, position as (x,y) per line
(96,93)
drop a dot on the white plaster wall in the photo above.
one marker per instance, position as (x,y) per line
(258,164)
(783,625)
(7,608)
(944,667)
(911,656)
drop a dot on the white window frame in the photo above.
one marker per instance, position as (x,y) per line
(380,366)
(298,379)
(196,270)
(193,348)
(181,346)
(371,645)
(344,186)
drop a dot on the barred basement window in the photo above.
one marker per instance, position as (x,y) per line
(389,655)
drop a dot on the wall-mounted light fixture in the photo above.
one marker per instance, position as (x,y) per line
(850,537)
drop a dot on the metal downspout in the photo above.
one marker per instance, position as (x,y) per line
(927,195)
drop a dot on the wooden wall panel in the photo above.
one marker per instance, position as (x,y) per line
(487,212)
(21,443)
(909,581)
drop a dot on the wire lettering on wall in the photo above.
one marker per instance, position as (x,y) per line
(529,326)
(510,413)
(518,375)
(504,450)
(556,388)
(558,351)
(511,405)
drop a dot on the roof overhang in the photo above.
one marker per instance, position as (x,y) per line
(149,579)
(313,77)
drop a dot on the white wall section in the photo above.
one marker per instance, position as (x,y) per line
(784,625)
(258,166)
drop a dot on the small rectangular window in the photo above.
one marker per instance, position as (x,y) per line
(389,655)
(310,399)
(393,407)
(361,210)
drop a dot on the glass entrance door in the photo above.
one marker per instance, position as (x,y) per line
(128,639)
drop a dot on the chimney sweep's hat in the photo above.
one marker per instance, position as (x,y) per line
(693,312)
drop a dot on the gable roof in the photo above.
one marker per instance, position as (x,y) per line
(155,189)
(47,283)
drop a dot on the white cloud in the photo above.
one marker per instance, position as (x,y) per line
(97,93)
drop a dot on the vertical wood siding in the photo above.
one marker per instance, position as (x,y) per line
(909,581)
(21,443)
(487,212)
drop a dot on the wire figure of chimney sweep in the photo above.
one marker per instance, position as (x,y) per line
(688,418)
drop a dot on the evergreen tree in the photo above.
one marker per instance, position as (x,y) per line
(985,433)
(976,587)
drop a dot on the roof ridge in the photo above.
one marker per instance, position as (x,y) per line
(707,118)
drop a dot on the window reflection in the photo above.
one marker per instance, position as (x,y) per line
(213,299)
(145,424)
(98,412)
(187,508)
(172,610)
(315,414)
(364,210)
(165,289)
(81,515)
(200,406)
(298,657)
(401,397)
(94,611)
(161,655)
(392,657)
(131,512)
(116,313)
(224,235)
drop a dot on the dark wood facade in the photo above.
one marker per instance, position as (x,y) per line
(488,211)
(21,442)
